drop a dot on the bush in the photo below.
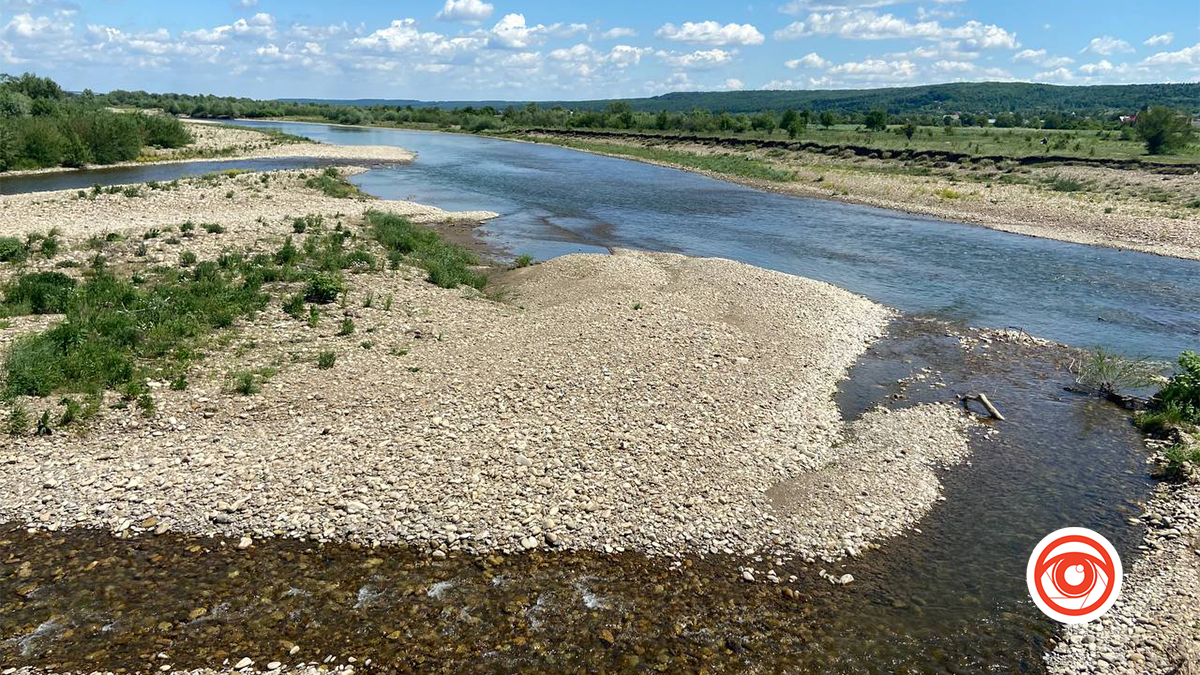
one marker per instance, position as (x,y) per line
(1181,393)
(244,382)
(323,289)
(1163,130)
(331,182)
(187,259)
(325,360)
(163,131)
(347,327)
(12,250)
(40,293)
(294,306)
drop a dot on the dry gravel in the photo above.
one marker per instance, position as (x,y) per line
(637,401)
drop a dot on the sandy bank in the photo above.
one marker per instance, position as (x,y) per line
(1115,208)
(637,401)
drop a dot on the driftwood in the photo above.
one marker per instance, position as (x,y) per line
(983,399)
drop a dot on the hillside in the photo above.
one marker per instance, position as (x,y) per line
(974,97)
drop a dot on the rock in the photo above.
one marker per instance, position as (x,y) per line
(607,638)
(245,543)
(244,663)
(846,579)
(274,665)
(747,575)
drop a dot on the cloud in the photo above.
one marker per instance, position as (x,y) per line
(797,7)
(261,25)
(698,60)
(28,27)
(1056,75)
(1041,58)
(584,61)
(618,32)
(247,4)
(876,70)
(1159,40)
(1106,45)
(465,11)
(810,60)
(1101,66)
(1188,56)
(512,33)
(732,84)
(711,33)
(866,25)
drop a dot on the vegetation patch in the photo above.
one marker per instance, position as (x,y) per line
(332,183)
(446,265)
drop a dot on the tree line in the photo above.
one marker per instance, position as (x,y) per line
(43,126)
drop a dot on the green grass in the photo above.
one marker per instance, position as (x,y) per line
(331,182)
(326,360)
(12,250)
(38,293)
(446,265)
(726,164)
(113,328)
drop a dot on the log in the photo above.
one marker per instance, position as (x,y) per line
(983,399)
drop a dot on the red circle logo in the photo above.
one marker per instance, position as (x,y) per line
(1074,575)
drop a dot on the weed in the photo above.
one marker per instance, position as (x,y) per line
(637,305)
(12,250)
(314,316)
(44,426)
(326,360)
(187,258)
(445,264)
(369,300)
(71,413)
(152,233)
(294,306)
(947,193)
(387,304)
(179,382)
(523,260)
(141,250)
(1181,462)
(244,382)
(18,420)
(333,184)
(213,228)
(1107,373)
(1064,184)
(39,293)
(347,327)
(399,351)
(366,344)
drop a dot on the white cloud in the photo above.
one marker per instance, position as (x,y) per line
(1056,75)
(512,33)
(1188,56)
(798,7)
(810,60)
(1106,45)
(618,32)
(248,4)
(467,11)
(583,61)
(732,84)
(28,27)
(1101,66)
(712,33)
(876,70)
(697,60)
(866,25)
(1041,58)
(261,25)
(1159,40)
(955,66)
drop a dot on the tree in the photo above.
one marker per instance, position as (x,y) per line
(876,120)
(1164,130)
(794,122)
(827,119)
(909,130)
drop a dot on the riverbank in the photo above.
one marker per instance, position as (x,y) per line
(1154,627)
(217,142)
(1134,209)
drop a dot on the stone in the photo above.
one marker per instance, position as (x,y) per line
(245,543)
(846,579)
(244,663)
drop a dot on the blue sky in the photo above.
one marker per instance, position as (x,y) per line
(537,49)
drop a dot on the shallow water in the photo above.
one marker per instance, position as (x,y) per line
(120,175)
(948,599)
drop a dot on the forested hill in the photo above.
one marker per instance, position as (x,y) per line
(973,97)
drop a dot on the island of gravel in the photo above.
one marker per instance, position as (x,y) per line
(635,401)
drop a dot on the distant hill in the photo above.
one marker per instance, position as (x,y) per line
(973,97)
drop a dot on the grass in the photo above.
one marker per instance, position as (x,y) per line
(17,422)
(947,193)
(446,265)
(523,260)
(726,164)
(347,327)
(12,250)
(326,360)
(333,184)
(38,293)
(1108,373)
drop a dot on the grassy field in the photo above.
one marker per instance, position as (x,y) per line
(733,165)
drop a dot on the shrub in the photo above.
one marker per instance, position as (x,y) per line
(18,420)
(331,182)
(50,246)
(12,250)
(1180,462)
(213,228)
(1164,130)
(523,260)
(325,360)
(41,293)
(187,258)
(244,382)
(163,131)
(323,289)
(347,327)
(445,264)
(1181,393)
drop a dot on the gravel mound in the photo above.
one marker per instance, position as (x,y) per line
(633,401)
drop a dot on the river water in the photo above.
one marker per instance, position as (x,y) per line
(949,597)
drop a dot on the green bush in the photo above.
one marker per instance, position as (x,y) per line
(326,360)
(294,306)
(163,131)
(1182,392)
(332,184)
(40,293)
(323,289)
(12,250)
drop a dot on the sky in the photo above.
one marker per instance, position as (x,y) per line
(554,50)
